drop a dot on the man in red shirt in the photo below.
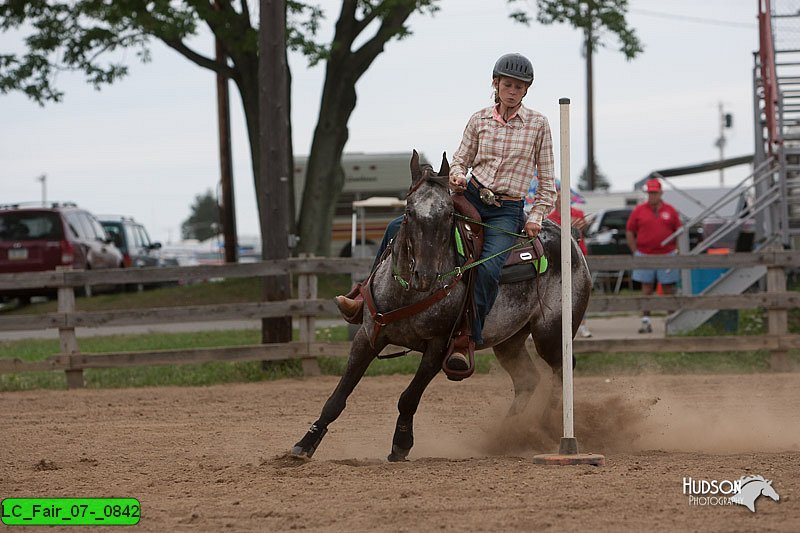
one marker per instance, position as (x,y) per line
(649,224)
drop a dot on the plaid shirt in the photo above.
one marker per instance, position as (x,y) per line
(503,156)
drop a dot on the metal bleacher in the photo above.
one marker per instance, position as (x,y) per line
(769,198)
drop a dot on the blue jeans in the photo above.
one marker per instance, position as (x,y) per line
(509,217)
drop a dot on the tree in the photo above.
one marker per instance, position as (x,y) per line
(593,17)
(203,222)
(345,66)
(77,35)
(600,180)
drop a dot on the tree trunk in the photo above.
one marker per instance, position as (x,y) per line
(247,83)
(324,173)
(274,164)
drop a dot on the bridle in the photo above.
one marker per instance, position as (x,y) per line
(427,176)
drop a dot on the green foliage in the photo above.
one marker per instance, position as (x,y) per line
(82,35)
(203,222)
(594,17)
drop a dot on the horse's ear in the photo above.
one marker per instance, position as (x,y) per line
(444,170)
(416,173)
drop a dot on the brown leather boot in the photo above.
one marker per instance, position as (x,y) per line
(352,309)
(459,363)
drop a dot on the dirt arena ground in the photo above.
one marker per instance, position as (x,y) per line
(213,459)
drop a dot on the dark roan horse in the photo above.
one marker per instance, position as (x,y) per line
(423,252)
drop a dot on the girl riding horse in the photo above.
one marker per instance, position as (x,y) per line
(503,145)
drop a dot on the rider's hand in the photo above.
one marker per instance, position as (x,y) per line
(532,229)
(458,184)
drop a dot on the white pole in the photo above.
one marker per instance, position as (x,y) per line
(354,221)
(566,272)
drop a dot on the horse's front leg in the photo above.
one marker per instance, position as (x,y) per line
(429,366)
(361,355)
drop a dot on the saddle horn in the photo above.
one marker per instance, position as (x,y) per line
(444,170)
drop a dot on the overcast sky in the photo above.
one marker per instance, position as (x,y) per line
(147,145)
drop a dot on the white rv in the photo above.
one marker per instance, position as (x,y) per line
(366,175)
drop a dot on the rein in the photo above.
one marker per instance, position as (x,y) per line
(460,270)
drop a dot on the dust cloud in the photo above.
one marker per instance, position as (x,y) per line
(638,413)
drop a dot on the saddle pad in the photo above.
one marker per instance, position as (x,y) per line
(515,273)
(523,271)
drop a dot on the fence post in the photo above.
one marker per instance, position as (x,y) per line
(66,334)
(307,290)
(777,318)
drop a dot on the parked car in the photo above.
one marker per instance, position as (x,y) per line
(34,239)
(132,240)
(606,232)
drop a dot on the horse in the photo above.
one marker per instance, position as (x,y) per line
(751,488)
(423,253)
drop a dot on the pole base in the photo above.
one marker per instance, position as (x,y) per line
(568,455)
(593,459)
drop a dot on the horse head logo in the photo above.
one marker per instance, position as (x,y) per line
(751,488)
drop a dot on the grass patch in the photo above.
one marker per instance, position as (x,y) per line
(254,371)
(678,363)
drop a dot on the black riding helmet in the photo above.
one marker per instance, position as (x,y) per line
(515,66)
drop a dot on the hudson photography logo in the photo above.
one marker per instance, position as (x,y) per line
(743,491)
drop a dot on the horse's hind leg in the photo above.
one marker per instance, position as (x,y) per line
(513,356)
(429,366)
(361,355)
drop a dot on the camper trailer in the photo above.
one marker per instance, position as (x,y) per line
(366,175)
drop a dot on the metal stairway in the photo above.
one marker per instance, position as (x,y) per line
(779,36)
(772,198)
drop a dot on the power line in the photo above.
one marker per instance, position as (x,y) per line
(698,20)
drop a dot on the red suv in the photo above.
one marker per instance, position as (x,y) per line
(34,239)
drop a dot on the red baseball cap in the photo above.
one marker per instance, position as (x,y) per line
(653,185)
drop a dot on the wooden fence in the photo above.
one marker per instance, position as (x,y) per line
(307,307)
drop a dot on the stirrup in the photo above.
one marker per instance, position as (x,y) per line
(464,345)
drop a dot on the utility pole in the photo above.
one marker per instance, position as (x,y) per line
(43,180)
(725,122)
(228,217)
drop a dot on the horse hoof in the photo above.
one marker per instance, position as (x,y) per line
(398,455)
(298,451)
